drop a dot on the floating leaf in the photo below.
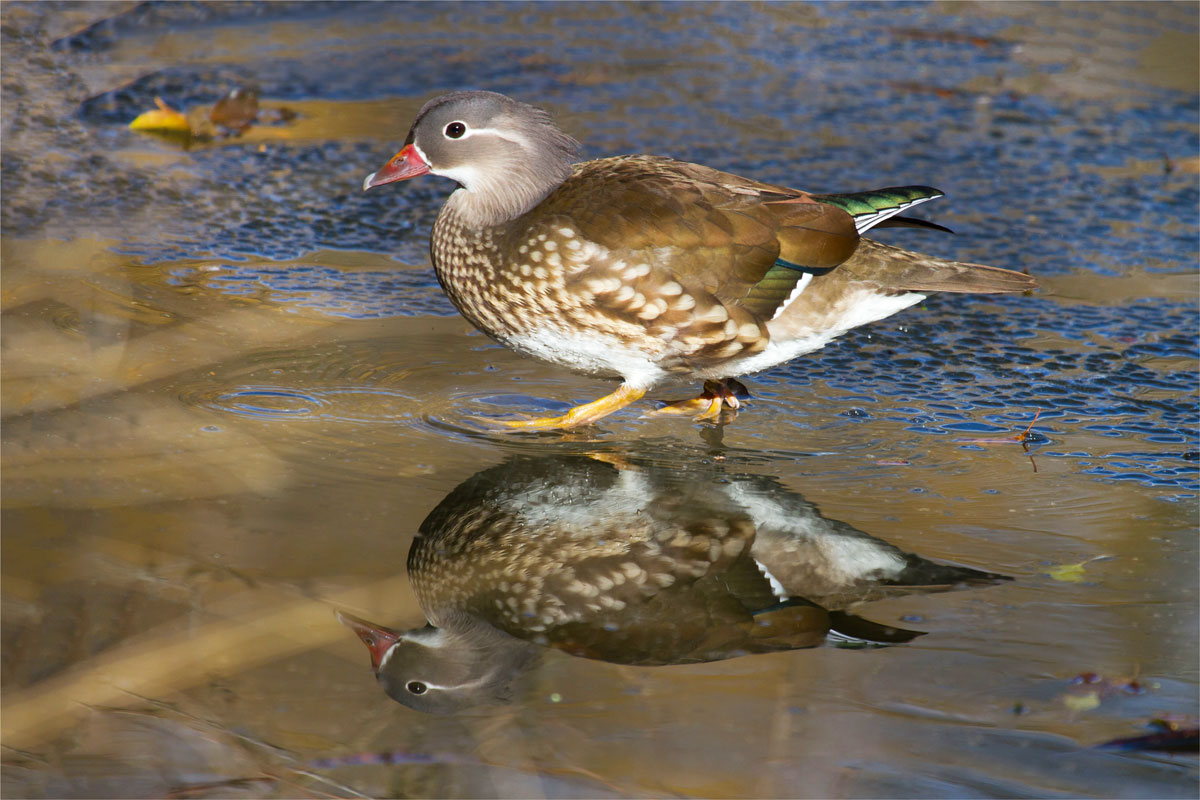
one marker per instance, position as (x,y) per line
(1081,702)
(1068,573)
(163,118)
(237,109)
(232,115)
(1073,573)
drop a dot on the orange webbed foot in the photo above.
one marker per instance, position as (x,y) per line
(717,397)
(585,414)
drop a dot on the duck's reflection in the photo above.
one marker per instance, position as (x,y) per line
(633,564)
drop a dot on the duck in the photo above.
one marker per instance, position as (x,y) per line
(652,270)
(618,557)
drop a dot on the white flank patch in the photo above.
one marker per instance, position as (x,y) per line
(816,542)
(860,309)
(776,586)
(865,224)
(801,285)
(860,559)
(590,354)
(868,306)
(587,511)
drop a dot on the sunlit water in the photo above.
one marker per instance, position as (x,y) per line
(232,390)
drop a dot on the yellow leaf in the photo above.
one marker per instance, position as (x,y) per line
(1081,702)
(163,118)
(1072,573)
(1069,573)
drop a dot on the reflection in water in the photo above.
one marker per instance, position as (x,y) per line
(632,564)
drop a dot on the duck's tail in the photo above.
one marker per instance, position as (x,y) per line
(900,270)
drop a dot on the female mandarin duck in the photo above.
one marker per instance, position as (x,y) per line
(617,557)
(646,268)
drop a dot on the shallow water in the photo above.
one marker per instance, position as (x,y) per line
(232,390)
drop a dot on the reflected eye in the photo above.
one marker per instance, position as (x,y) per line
(416,687)
(455,130)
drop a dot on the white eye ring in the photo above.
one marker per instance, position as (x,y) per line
(455,130)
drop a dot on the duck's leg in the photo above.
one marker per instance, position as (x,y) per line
(717,396)
(581,415)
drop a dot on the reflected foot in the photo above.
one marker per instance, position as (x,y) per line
(717,397)
(585,414)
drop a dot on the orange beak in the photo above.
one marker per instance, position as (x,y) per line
(404,165)
(377,638)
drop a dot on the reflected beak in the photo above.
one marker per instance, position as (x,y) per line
(404,165)
(377,638)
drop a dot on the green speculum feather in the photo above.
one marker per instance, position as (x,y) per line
(859,204)
(766,296)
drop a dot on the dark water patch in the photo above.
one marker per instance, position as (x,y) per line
(354,294)
(1114,386)
(768,101)
(283,205)
(156,17)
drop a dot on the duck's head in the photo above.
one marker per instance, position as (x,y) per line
(442,671)
(506,155)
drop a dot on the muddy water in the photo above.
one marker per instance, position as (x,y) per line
(232,390)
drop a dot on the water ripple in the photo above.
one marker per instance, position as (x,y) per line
(338,403)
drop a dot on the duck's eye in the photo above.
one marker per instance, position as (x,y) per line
(416,687)
(455,130)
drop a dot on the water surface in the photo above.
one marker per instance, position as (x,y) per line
(232,390)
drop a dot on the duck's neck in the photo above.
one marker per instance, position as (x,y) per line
(499,196)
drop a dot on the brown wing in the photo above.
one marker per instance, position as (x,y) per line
(717,230)
(691,254)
